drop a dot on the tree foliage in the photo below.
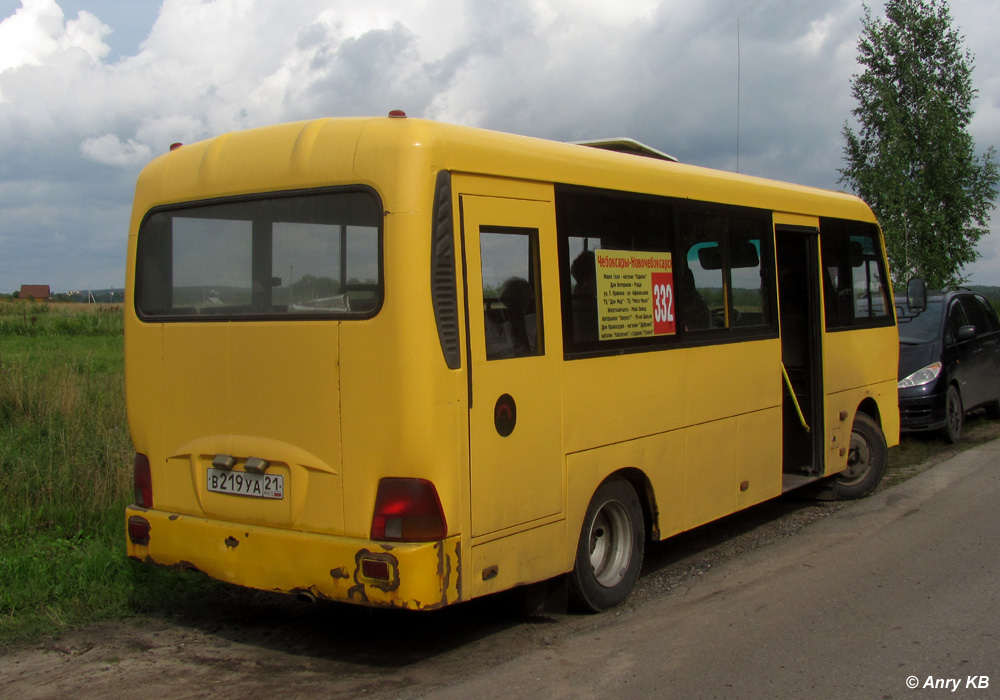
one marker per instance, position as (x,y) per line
(912,158)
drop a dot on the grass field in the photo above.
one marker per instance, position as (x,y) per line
(65,472)
(66,475)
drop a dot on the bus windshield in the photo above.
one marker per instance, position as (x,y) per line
(313,255)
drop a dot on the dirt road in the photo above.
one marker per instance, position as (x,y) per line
(261,646)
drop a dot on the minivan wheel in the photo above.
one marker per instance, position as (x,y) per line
(954,415)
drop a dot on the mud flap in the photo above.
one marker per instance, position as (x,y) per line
(545,597)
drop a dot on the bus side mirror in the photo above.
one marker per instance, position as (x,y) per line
(916,295)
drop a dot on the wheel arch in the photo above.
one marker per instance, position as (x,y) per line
(647,497)
(869,406)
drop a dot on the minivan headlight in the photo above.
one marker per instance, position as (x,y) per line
(922,376)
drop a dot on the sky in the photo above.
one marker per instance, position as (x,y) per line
(92,90)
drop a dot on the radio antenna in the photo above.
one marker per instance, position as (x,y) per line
(738,76)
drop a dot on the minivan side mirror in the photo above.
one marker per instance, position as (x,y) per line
(966,332)
(916,295)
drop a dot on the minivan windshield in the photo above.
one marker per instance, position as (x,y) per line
(924,327)
(311,255)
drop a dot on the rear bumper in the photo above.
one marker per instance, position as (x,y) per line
(421,576)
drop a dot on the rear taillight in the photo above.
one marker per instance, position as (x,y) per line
(138,529)
(143,481)
(407,510)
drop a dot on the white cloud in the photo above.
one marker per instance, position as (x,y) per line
(28,36)
(110,150)
(662,71)
(87,33)
(37,31)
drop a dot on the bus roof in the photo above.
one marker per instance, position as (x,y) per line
(399,158)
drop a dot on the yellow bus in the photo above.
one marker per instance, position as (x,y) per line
(394,362)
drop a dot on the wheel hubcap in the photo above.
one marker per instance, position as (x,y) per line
(610,544)
(858,459)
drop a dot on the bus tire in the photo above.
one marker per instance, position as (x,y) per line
(866,461)
(609,552)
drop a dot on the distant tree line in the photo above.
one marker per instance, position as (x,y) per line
(102,296)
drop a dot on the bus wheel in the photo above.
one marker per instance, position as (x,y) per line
(609,553)
(866,460)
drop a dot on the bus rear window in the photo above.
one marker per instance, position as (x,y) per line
(311,255)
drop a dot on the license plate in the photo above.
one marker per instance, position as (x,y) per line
(246,483)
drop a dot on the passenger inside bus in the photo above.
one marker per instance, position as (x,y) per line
(519,308)
(584,272)
(499,333)
(693,307)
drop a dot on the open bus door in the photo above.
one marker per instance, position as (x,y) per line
(800,311)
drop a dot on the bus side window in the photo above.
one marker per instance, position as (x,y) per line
(723,281)
(702,302)
(855,290)
(511,299)
(747,275)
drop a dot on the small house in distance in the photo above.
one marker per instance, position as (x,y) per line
(35,291)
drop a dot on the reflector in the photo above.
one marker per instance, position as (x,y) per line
(375,569)
(138,529)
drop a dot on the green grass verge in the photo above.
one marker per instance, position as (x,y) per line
(65,475)
(918,452)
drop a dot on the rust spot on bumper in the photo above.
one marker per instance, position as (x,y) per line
(359,591)
(182,565)
(444,571)
(307,591)
(458,571)
(339,572)
(388,586)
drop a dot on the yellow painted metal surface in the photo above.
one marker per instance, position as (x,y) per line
(337,405)
(859,368)
(501,465)
(422,576)
(333,406)
(759,440)
(528,556)
(697,421)
(399,157)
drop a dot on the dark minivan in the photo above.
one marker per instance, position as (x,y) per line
(949,361)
